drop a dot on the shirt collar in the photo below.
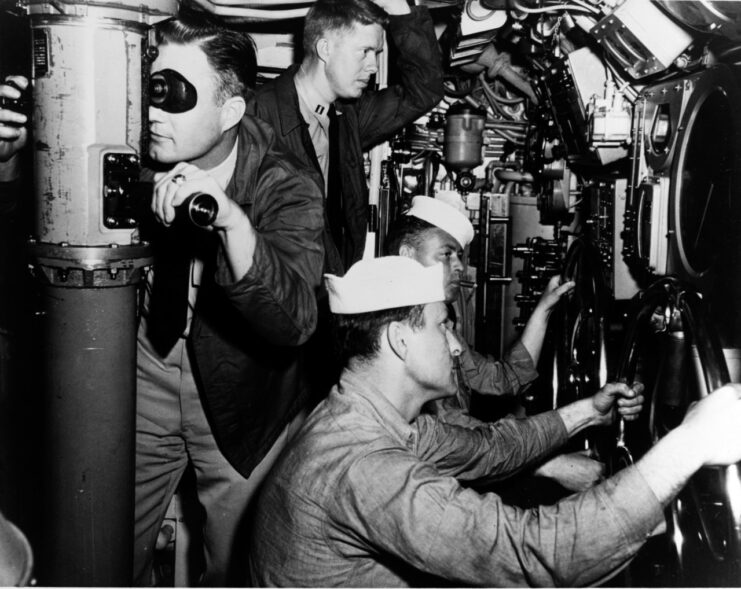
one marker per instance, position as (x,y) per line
(311,99)
(378,405)
(223,172)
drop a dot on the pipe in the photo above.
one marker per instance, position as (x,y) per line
(512,176)
(251,13)
(89,356)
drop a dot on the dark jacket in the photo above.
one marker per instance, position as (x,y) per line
(12,258)
(245,334)
(363,123)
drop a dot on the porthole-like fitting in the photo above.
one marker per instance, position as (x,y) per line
(702,182)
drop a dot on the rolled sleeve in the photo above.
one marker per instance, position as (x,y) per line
(509,376)
(492,450)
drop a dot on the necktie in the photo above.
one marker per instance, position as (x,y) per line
(335,214)
(168,304)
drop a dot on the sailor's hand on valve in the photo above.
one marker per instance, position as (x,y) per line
(627,399)
(172,189)
(13,131)
(553,292)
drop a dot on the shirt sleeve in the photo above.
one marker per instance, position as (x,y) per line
(492,450)
(406,508)
(419,83)
(509,376)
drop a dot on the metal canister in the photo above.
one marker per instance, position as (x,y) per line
(464,136)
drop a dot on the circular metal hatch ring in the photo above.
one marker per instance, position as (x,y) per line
(703,169)
(707,509)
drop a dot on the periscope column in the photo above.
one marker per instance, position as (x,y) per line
(89,65)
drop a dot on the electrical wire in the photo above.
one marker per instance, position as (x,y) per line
(514,126)
(509,137)
(727,53)
(491,98)
(519,135)
(486,87)
(623,85)
(589,7)
(493,106)
(553,8)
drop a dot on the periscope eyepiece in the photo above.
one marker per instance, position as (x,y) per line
(171,92)
(200,208)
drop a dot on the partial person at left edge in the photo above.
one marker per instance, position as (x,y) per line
(13,130)
(16,557)
(218,382)
(13,138)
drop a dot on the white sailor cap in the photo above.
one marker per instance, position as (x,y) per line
(388,282)
(445,215)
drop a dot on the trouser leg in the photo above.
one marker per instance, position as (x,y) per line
(172,428)
(161,455)
(223,492)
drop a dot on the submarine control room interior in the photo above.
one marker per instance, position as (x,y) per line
(597,141)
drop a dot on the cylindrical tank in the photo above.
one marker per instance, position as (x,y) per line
(464,136)
(87,104)
(89,68)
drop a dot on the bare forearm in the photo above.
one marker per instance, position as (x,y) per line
(669,464)
(534,333)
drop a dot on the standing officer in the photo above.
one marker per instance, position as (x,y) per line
(217,375)
(324,113)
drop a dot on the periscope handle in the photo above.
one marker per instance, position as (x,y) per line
(200,208)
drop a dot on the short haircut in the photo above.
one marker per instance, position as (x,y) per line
(406,230)
(338,15)
(357,337)
(229,52)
